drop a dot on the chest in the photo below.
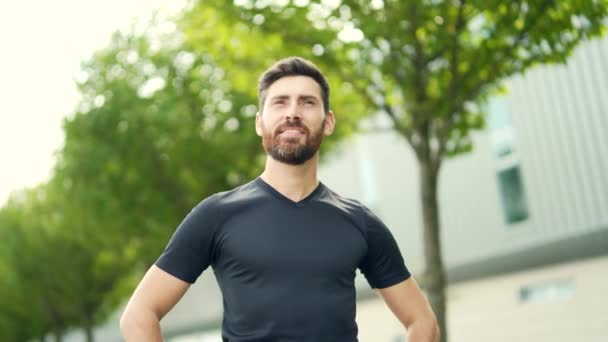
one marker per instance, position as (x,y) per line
(290,241)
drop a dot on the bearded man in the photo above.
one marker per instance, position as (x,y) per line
(284,248)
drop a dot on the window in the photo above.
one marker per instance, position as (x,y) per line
(499,121)
(511,186)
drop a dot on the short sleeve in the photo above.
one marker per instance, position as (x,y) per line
(383,264)
(190,250)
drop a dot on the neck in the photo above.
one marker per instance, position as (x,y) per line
(293,181)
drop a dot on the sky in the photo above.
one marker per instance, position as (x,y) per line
(43,43)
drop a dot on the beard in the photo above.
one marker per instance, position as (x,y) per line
(290,150)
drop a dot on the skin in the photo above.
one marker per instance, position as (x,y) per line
(289,99)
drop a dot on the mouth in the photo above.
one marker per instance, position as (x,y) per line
(291,132)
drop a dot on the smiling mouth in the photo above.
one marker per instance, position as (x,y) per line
(291,132)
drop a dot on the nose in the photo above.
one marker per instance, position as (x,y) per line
(293,112)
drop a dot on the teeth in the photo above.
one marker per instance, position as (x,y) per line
(291,131)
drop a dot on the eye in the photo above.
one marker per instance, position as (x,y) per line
(279,102)
(310,102)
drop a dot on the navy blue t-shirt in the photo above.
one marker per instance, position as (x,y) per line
(286,269)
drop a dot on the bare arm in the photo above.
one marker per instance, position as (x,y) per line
(410,306)
(155,295)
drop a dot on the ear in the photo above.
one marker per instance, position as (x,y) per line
(330,123)
(258,124)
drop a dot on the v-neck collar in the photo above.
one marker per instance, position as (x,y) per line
(286,199)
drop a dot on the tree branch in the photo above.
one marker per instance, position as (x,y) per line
(457,103)
(508,50)
(405,131)
(441,133)
(458,26)
(419,119)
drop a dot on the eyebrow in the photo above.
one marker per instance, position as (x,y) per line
(300,97)
(309,97)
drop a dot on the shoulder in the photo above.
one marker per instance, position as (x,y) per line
(364,216)
(353,208)
(340,202)
(226,201)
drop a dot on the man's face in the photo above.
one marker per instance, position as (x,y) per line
(293,122)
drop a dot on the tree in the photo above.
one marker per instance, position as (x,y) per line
(62,270)
(157,130)
(38,297)
(18,322)
(94,266)
(429,65)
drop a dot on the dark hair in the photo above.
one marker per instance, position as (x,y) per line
(292,66)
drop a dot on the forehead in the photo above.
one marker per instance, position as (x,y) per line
(294,86)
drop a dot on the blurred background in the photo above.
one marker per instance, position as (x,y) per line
(474,129)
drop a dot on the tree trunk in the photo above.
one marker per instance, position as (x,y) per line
(434,278)
(87,325)
(58,334)
(55,319)
(89,333)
